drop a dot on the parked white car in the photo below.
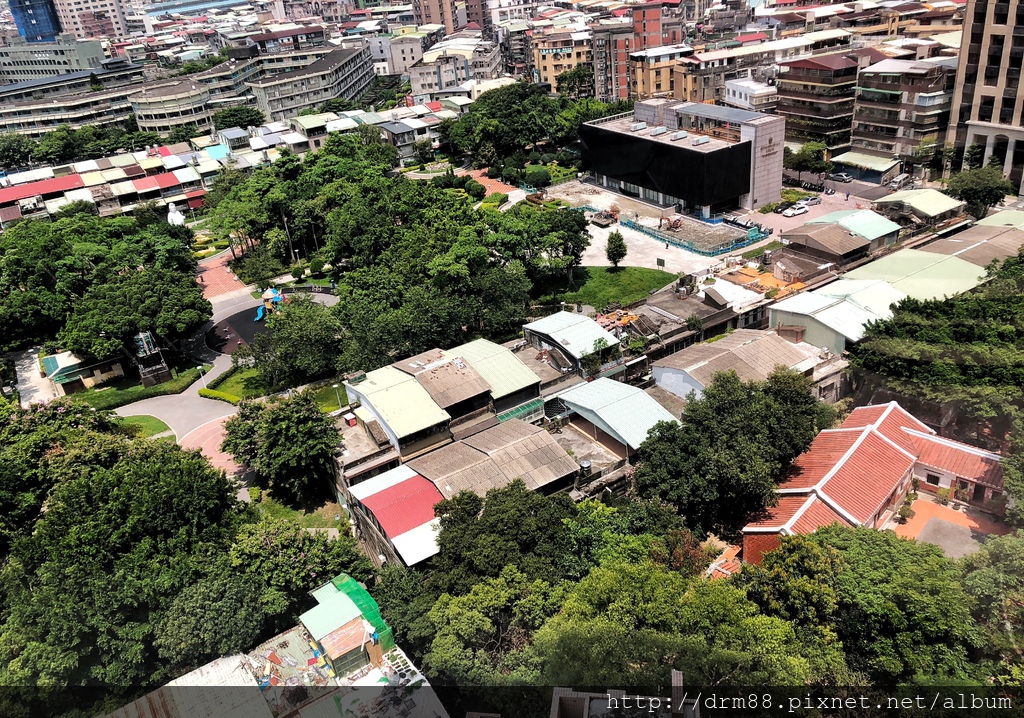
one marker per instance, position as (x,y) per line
(795,210)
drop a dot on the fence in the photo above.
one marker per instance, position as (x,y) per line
(308,289)
(689,246)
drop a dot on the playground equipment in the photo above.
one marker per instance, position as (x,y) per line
(271,298)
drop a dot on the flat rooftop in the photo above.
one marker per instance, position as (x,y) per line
(622,125)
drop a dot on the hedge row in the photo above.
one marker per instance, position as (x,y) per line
(220,396)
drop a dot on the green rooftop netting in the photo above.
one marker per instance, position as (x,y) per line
(367,606)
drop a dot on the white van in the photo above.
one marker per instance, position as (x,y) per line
(899,182)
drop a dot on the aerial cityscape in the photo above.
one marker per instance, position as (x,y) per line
(508,358)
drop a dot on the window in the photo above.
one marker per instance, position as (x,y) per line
(932,479)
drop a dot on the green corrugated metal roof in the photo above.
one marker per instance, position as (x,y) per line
(1006,218)
(922,275)
(399,401)
(864,223)
(625,412)
(929,202)
(498,366)
(333,610)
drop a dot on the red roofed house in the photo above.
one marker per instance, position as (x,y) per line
(394,513)
(856,475)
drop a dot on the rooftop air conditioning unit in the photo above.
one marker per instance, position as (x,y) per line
(658,131)
(678,136)
(637,126)
(701,141)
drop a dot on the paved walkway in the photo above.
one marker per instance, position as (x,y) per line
(215,277)
(492,185)
(187,411)
(32,388)
(925,510)
(207,438)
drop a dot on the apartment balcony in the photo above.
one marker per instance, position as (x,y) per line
(784,107)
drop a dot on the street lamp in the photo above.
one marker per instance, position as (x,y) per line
(337,394)
(202,375)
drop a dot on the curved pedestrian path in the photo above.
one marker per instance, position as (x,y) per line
(187,411)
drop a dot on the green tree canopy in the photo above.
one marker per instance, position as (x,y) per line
(577,82)
(616,249)
(981,188)
(289,443)
(242,116)
(902,610)
(720,465)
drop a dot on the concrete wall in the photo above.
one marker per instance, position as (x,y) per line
(767,137)
(815,332)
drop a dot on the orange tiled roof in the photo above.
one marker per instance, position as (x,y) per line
(848,474)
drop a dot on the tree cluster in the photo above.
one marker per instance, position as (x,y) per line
(981,188)
(810,158)
(416,266)
(720,464)
(92,283)
(967,349)
(63,144)
(514,118)
(289,444)
(242,116)
(142,565)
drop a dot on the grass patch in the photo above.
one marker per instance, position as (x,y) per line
(243,384)
(601,286)
(327,399)
(755,253)
(795,195)
(145,426)
(321,518)
(128,390)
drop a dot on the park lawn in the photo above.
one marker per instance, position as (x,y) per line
(242,383)
(147,425)
(601,286)
(128,390)
(321,518)
(327,399)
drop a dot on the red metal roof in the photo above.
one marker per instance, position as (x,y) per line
(751,37)
(10,213)
(434,106)
(146,184)
(164,151)
(404,506)
(57,185)
(166,180)
(133,171)
(195,193)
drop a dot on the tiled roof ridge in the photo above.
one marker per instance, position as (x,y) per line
(953,444)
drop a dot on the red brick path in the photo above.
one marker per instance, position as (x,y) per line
(492,185)
(215,278)
(207,438)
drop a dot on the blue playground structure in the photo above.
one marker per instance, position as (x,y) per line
(260,313)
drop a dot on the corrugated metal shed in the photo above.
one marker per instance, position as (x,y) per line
(623,411)
(333,610)
(399,401)
(929,202)
(498,366)
(922,275)
(574,333)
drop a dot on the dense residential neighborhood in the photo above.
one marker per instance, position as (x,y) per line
(497,359)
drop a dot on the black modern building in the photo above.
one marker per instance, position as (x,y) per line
(704,157)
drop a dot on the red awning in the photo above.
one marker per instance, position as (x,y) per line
(57,185)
